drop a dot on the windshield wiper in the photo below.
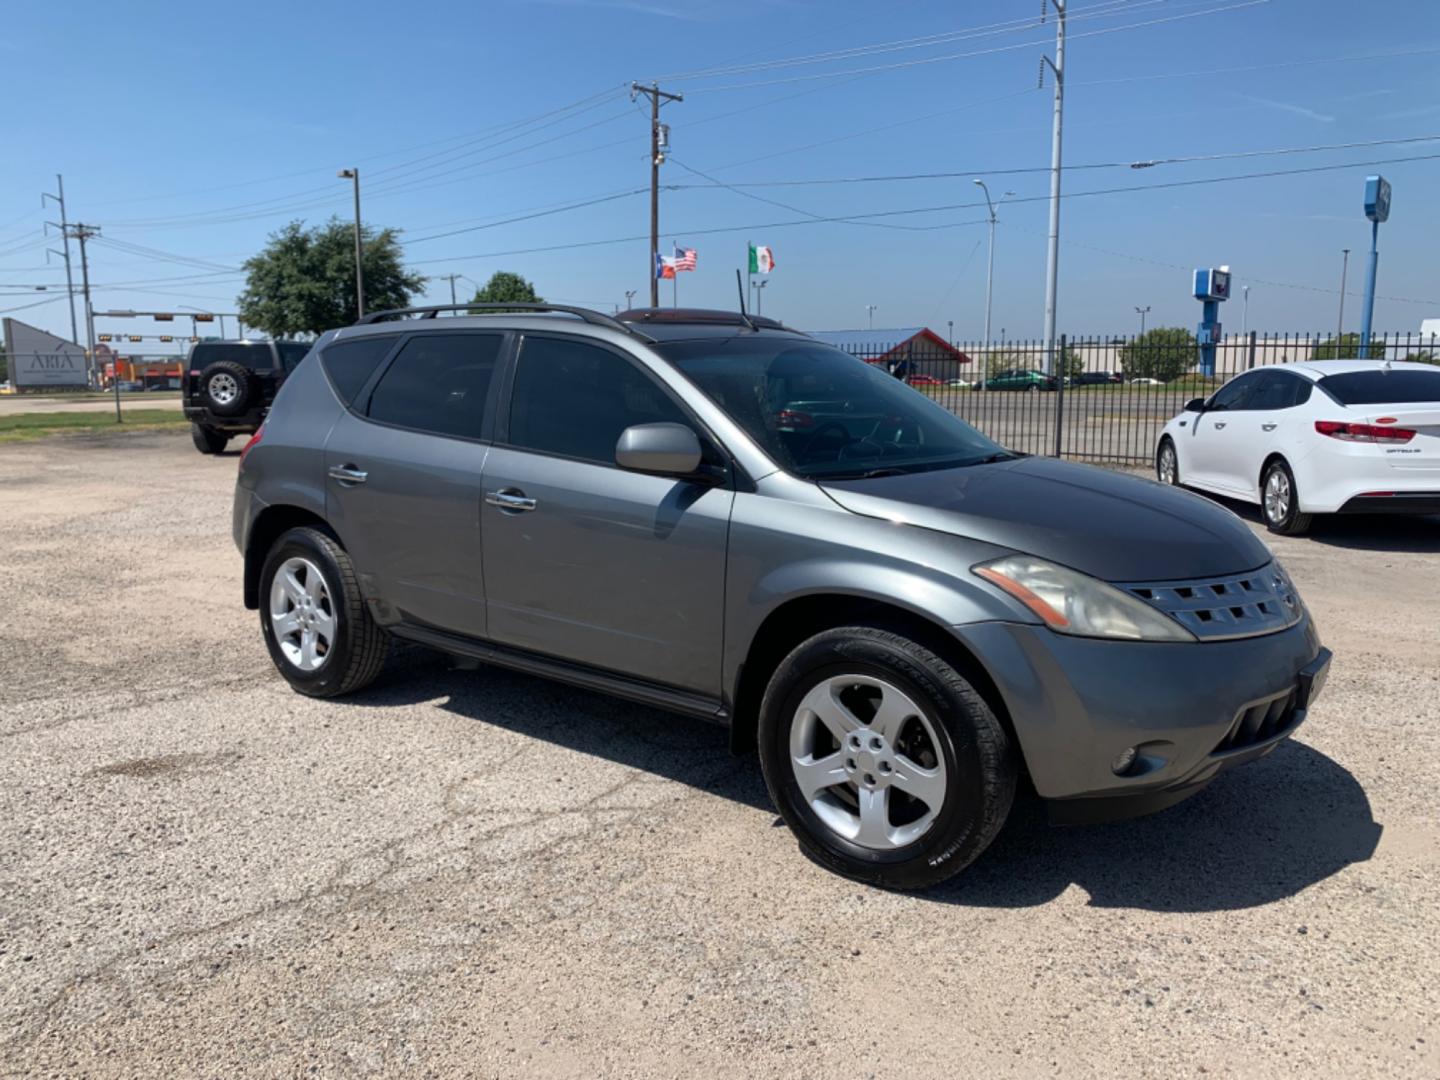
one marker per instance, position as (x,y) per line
(868,474)
(990,459)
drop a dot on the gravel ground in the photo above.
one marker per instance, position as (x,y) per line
(467,873)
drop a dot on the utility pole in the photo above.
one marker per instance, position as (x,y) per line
(82,233)
(1052,261)
(659,144)
(450,278)
(1142,312)
(65,233)
(1340,325)
(354,175)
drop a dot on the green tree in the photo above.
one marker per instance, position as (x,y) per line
(1424,357)
(506,288)
(1348,349)
(1164,353)
(304,280)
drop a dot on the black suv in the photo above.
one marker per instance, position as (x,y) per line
(227,387)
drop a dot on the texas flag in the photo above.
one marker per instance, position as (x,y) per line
(664,266)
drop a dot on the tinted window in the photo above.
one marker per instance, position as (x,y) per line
(255,356)
(438,383)
(291,353)
(1278,390)
(575,399)
(349,363)
(1379,387)
(1233,394)
(821,413)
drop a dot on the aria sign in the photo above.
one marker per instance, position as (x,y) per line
(38,358)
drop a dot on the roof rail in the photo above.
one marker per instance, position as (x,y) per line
(594,318)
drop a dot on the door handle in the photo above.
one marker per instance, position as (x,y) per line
(348,475)
(510,499)
(1268,427)
(1218,425)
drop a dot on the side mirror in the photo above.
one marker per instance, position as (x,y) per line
(662,449)
(1195,405)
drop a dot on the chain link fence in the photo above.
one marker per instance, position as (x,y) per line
(1117,393)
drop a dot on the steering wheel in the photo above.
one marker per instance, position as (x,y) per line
(829,425)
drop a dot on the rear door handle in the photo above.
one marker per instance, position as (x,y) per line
(511,499)
(1268,427)
(348,475)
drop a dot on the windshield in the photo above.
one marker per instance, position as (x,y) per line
(1379,387)
(821,413)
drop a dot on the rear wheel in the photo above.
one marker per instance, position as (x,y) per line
(316,626)
(208,440)
(1280,500)
(882,758)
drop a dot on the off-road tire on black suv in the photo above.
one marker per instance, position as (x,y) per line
(980,762)
(359,649)
(207,440)
(227,388)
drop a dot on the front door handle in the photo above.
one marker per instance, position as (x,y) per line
(511,500)
(1268,427)
(1219,425)
(348,475)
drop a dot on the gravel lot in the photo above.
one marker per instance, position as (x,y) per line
(477,873)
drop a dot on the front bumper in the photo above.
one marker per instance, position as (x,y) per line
(1190,710)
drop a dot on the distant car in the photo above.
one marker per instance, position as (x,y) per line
(924,380)
(1021,379)
(1325,436)
(227,387)
(1146,382)
(960,383)
(127,387)
(1096,378)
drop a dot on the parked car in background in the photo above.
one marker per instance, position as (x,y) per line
(924,380)
(1021,379)
(720,516)
(226,387)
(1146,382)
(1096,378)
(1324,436)
(960,384)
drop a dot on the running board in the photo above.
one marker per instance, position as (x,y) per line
(588,678)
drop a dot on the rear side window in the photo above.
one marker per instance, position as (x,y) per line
(438,383)
(349,363)
(575,399)
(1379,387)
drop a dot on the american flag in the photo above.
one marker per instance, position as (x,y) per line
(684,258)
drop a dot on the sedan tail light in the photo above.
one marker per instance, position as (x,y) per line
(1366,433)
(791,418)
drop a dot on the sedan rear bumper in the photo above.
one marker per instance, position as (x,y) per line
(1189,712)
(1396,502)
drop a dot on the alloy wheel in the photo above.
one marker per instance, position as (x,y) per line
(1167,464)
(1277,495)
(867,761)
(223,388)
(302,614)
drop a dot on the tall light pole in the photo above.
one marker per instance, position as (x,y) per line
(759,295)
(64,232)
(1052,260)
(629,299)
(870,308)
(1245,312)
(990,271)
(1142,312)
(354,175)
(1340,324)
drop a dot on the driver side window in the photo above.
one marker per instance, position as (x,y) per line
(1232,395)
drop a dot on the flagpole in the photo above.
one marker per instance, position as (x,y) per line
(749,275)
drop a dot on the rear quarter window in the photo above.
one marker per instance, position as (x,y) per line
(1380,387)
(350,363)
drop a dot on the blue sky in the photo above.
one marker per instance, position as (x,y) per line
(193,131)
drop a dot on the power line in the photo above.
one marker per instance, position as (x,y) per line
(530,216)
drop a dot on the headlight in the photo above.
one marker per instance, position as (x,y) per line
(1075,603)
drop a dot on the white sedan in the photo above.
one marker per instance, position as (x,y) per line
(1319,437)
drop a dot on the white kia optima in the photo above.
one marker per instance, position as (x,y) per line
(1319,437)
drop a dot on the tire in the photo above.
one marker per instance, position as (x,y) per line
(967,765)
(1281,507)
(346,649)
(1167,472)
(227,388)
(208,440)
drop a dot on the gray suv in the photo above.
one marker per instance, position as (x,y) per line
(716,515)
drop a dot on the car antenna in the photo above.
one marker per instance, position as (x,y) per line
(740,288)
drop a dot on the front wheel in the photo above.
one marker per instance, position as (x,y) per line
(1167,464)
(316,626)
(1280,500)
(883,760)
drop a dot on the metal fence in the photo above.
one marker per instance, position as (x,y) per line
(1119,391)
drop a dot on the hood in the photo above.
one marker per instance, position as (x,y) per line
(1106,524)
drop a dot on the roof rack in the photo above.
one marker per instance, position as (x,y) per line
(709,316)
(594,318)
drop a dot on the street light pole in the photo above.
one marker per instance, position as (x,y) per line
(1142,311)
(759,295)
(1052,259)
(990,271)
(1245,312)
(354,175)
(871,309)
(1340,325)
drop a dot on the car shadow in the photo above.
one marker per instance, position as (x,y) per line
(1258,834)
(1362,532)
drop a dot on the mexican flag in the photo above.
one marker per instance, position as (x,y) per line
(762,260)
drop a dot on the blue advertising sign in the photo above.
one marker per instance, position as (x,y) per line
(1212,284)
(1377,198)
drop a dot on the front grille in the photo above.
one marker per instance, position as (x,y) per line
(1261,721)
(1233,606)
